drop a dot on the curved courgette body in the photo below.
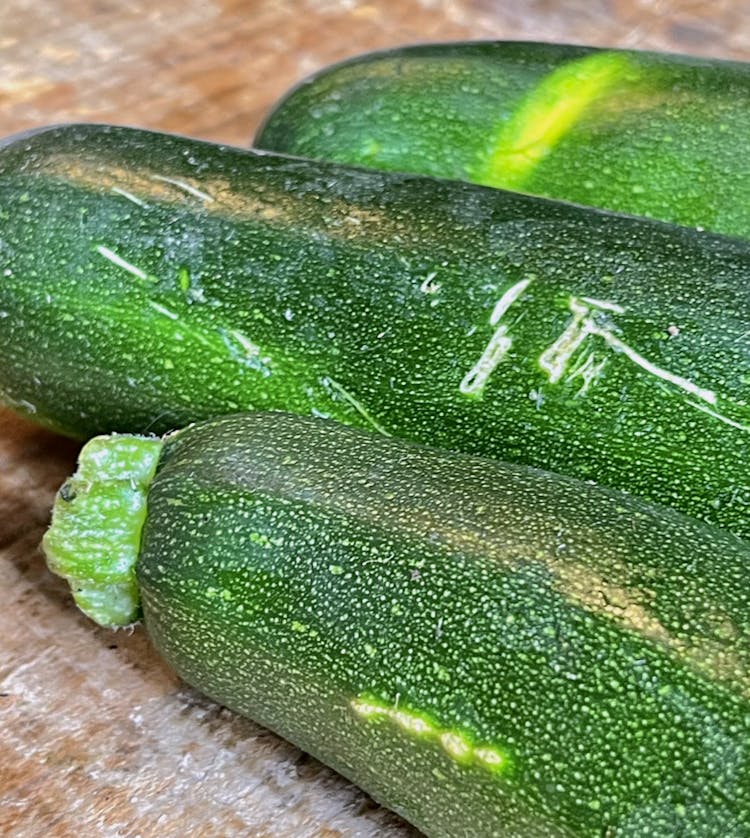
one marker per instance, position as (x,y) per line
(639,132)
(148,281)
(487,649)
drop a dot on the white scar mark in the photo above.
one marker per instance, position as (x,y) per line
(163,310)
(120,262)
(555,361)
(250,354)
(186,187)
(252,350)
(507,300)
(588,370)
(429,286)
(476,378)
(129,196)
(355,403)
(678,380)
(604,304)
(241,349)
(720,416)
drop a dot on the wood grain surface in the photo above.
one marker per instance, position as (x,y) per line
(97,737)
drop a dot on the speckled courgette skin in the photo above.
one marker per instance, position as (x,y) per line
(651,134)
(487,649)
(147,281)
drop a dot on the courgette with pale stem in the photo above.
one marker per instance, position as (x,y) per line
(487,649)
(147,281)
(646,133)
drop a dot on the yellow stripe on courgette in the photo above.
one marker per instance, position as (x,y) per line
(547,114)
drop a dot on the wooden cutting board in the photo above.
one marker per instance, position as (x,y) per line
(97,737)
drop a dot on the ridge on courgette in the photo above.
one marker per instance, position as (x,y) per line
(147,281)
(651,134)
(485,648)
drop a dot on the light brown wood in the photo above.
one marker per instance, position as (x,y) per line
(97,737)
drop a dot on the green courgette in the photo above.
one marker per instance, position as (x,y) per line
(487,649)
(645,133)
(147,281)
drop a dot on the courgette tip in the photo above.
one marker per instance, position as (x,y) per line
(94,538)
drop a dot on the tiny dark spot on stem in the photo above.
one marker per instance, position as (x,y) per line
(67,493)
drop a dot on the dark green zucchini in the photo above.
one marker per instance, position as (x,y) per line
(487,649)
(147,281)
(645,133)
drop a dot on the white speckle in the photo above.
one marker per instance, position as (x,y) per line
(537,397)
(195,295)
(428,285)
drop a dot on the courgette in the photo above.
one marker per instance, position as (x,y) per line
(645,133)
(487,649)
(147,281)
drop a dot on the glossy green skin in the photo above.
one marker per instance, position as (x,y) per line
(128,303)
(601,646)
(667,137)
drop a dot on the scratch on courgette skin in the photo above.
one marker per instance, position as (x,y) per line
(112,257)
(678,380)
(475,379)
(589,370)
(337,388)
(720,416)
(585,322)
(428,284)
(249,354)
(554,360)
(240,348)
(605,305)
(130,197)
(547,114)
(186,187)
(219,195)
(163,310)
(457,744)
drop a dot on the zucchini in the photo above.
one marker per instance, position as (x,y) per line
(487,649)
(645,133)
(147,281)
